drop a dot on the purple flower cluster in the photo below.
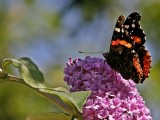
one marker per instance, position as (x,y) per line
(112,97)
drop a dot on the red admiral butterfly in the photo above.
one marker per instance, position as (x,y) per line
(127,55)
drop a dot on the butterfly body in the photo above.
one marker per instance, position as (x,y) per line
(127,54)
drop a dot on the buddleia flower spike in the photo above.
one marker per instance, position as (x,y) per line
(112,97)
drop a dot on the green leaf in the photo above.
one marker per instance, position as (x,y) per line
(72,103)
(27,69)
(50,116)
(74,99)
(80,98)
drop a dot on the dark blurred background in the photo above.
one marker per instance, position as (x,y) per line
(51,31)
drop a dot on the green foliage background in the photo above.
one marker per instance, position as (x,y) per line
(50,32)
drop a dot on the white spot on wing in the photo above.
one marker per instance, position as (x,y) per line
(117,29)
(122,30)
(126,26)
(132,51)
(143,32)
(133,25)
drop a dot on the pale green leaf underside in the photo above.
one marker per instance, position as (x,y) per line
(76,98)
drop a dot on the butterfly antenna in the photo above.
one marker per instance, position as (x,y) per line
(90,52)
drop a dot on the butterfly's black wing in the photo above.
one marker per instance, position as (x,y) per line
(132,25)
(127,55)
(120,54)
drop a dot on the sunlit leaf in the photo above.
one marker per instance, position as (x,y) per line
(72,103)
(28,70)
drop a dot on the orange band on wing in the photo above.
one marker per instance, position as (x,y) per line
(121,42)
(115,42)
(138,67)
(137,39)
(124,43)
(147,64)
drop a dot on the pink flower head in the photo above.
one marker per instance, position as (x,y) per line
(112,97)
